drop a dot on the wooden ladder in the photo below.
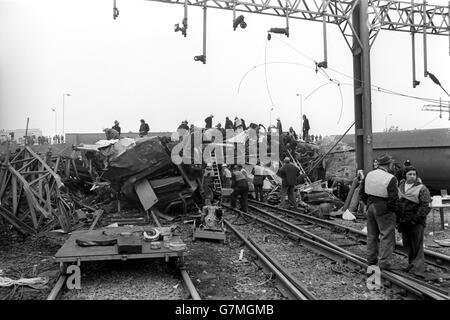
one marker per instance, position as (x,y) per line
(217,180)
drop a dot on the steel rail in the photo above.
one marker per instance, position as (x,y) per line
(434,258)
(405,285)
(291,288)
(307,233)
(57,288)
(286,273)
(189,284)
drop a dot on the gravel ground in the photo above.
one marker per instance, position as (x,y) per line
(217,273)
(130,280)
(325,278)
(18,258)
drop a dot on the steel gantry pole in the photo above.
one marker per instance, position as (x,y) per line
(362,85)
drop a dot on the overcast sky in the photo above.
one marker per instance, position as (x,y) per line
(137,67)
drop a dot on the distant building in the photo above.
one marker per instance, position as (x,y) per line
(5,136)
(19,134)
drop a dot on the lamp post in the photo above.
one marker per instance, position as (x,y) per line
(56,119)
(301,112)
(270,116)
(64,95)
(385,121)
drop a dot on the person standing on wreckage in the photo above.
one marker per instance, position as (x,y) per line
(380,193)
(116,126)
(143,129)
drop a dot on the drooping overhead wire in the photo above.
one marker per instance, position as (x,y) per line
(340,93)
(271,62)
(265,74)
(295,49)
(374,87)
(319,87)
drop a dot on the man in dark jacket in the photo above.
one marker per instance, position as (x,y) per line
(412,210)
(208,122)
(279,127)
(240,187)
(379,192)
(183,126)
(228,124)
(305,128)
(116,127)
(288,173)
(243,124)
(143,129)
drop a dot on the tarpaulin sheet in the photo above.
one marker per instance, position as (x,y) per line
(146,153)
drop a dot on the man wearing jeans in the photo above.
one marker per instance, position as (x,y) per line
(379,192)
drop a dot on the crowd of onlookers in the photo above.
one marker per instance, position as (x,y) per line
(32,140)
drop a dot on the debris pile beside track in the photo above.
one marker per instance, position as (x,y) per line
(43,192)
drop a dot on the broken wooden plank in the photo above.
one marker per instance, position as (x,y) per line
(26,166)
(67,168)
(75,169)
(14,193)
(146,195)
(86,206)
(39,178)
(34,172)
(192,183)
(162,215)
(49,201)
(53,173)
(98,214)
(155,218)
(32,202)
(56,167)
(3,175)
(22,227)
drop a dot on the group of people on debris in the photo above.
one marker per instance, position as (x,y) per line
(115,130)
(400,202)
(239,125)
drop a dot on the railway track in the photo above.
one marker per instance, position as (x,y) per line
(291,287)
(406,286)
(188,285)
(431,257)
